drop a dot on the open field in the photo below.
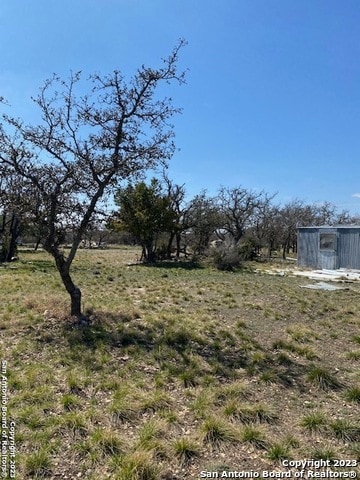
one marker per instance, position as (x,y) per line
(182,370)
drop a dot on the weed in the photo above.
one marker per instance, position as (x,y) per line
(158,400)
(189,378)
(355,451)
(292,441)
(75,423)
(235,390)
(179,339)
(269,376)
(258,357)
(299,333)
(202,403)
(283,358)
(240,324)
(303,351)
(32,417)
(257,413)
(122,412)
(149,431)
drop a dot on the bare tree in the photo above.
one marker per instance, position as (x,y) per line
(87,144)
(181,213)
(266,232)
(240,209)
(203,221)
(291,216)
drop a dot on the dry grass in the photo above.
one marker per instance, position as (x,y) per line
(181,370)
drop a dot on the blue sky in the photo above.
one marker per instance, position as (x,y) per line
(272,100)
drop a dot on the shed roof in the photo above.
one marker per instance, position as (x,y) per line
(339,227)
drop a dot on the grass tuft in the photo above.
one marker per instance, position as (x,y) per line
(254,436)
(353,394)
(278,451)
(323,379)
(185,449)
(138,465)
(314,421)
(345,430)
(38,464)
(322,453)
(216,431)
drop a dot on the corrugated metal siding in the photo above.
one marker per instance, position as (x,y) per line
(349,248)
(328,256)
(345,255)
(308,247)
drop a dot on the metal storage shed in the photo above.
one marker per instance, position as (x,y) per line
(329,247)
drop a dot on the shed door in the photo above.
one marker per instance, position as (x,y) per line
(328,251)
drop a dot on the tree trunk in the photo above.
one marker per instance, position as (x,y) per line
(74,292)
(14,234)
(75,296)
(284,250)
(178,244)
(169,245)
(72,289)
(37,243)
(149,252)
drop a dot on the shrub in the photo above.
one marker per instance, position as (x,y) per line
(227,257)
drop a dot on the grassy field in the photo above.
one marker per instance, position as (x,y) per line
(182,370)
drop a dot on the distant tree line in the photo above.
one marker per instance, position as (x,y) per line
(158,216)
(167,225)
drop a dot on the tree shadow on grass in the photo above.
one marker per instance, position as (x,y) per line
(178,350)
(39,265)
(170,264)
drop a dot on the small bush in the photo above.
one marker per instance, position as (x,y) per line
(227,257)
